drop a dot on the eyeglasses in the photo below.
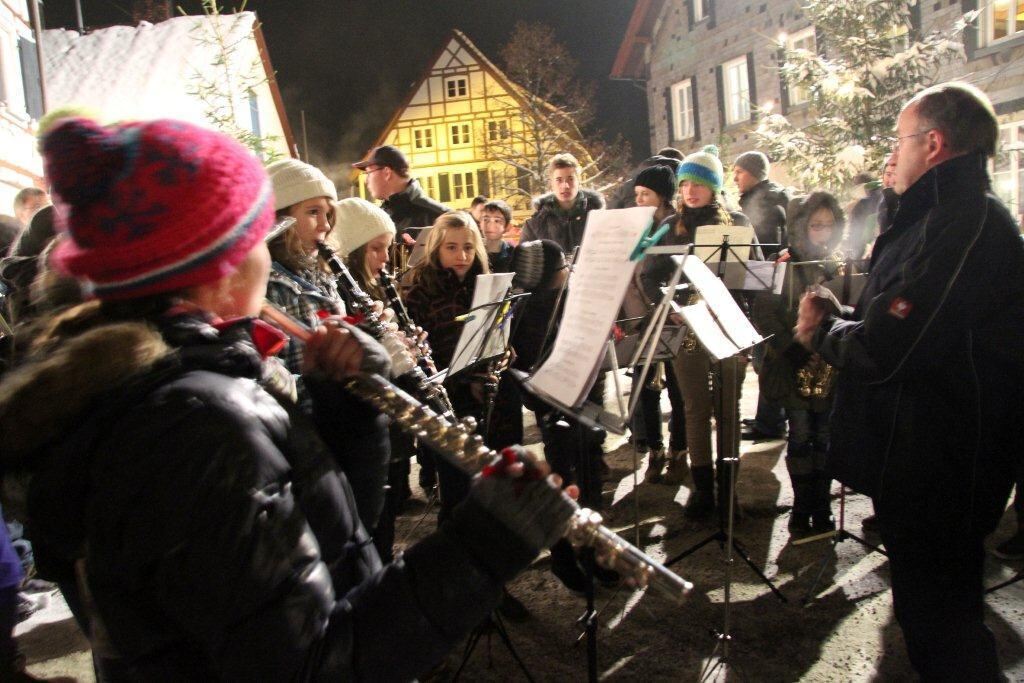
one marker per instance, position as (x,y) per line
(368,171)
(895,141)
(821,226)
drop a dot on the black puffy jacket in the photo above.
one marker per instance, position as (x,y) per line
(211,526)
(551,222)
(411,208)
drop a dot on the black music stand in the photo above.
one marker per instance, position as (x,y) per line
(728,440)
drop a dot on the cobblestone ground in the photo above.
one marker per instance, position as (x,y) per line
(844,632)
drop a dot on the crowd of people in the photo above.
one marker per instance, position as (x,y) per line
(214,503)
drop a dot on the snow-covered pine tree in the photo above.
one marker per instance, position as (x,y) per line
(870,60)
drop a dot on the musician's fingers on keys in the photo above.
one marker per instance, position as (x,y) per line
(334,351)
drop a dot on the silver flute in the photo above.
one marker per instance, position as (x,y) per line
(460,446)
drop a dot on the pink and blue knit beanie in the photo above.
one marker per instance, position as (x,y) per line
(153,206)
(703,167)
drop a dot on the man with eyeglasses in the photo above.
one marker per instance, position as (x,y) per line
(928,417)
(387,180)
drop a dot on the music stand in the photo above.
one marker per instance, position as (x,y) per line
(724,332)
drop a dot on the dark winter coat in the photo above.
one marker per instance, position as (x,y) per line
(775,315)
(927,417)
(411,208)
(501,261)
(657,269)
(551,222)
(215,534)
(764,205)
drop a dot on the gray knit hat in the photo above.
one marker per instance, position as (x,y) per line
(535,262)
(754,163)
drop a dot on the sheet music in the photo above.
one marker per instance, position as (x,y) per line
(596,290)
(764,276)
(710,335)
(740,237)
(488,289)
(720,302)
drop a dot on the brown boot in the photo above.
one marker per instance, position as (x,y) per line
(677,471)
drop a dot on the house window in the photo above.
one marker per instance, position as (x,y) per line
(460,134)
(1008,167)
(456,87)
(423,138)
(682,110)
(497,130)
(1002,19)
(30,77)
(463,185)
(801,40)
(737,91)
(699,10)
(428,183)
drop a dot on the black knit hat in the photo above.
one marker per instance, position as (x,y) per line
(535,263)
(659,179)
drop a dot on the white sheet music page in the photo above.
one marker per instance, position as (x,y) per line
(596,290)
(487,289)
(720,302)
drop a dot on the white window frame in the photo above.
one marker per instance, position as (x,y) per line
(457,87)
(699,13)
(463,185)
(498,129)
(1014,28)
(460,135)
(1015,167)
(423,138)
(682,110)
(735,82)
(798,96)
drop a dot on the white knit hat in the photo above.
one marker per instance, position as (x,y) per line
(357,221)
(295,181)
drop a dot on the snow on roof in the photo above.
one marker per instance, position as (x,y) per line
(140,72)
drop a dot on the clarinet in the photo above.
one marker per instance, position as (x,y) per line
(457,443)
(405,321)
(407,374)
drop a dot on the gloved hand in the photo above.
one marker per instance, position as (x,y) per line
(524,497)
(515,509)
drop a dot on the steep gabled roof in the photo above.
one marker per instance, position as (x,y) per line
(515,91)
(629,62)
(144,71)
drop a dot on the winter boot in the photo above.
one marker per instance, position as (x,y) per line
(702,499)
(821,513)
(565,567)
(655,464)
(800,464)
(724,481)
(677,470)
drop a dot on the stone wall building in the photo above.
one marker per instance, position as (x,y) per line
(709,65)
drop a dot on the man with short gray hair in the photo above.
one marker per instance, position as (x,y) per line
(927,417)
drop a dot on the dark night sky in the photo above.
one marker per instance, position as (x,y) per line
(350,63)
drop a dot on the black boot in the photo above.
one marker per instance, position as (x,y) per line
(702,499)
(800,464)
(565,567)
(821,514)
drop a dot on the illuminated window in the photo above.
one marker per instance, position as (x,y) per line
(463,185)
(801,40)
(682,110)
(1002,19)
(737,90)
(1008,167)
(497,130)
(456,87)
(460,134)
(423,138)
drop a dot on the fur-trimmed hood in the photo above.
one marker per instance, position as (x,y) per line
(46,398)
(590,200)
(800,211)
